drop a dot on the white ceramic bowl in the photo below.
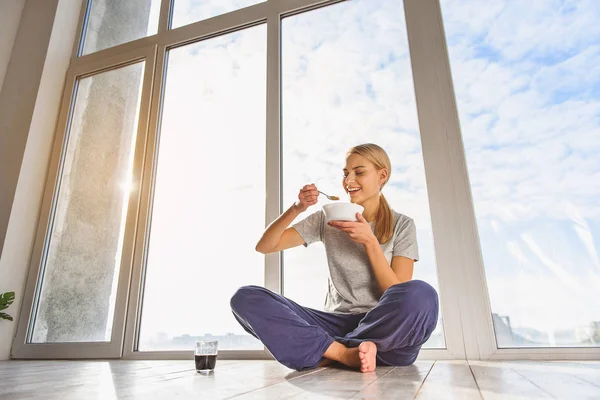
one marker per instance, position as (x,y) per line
(340,211)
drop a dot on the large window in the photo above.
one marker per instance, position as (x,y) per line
(79,280)
(527,81)
(346,79)
(209,197)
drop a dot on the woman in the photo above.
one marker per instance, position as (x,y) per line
(375,313)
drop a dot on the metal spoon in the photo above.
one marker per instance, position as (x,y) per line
(328,196)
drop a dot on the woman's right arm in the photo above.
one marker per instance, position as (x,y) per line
(276,236)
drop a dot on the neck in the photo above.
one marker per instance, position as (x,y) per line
(371,207)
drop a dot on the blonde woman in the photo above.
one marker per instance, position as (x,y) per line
(375,313)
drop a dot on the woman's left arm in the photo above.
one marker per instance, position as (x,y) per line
(400,272)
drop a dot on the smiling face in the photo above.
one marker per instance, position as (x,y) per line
(362,181)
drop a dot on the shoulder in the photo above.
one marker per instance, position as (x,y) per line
(312,221)
(400,220)
(402,224)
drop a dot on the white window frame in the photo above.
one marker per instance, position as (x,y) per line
(113,349)
(467,316)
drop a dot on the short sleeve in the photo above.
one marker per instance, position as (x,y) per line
(405,240)
(310,228)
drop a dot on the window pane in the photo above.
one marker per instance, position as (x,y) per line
(210,193)
(347,80)
(79,285)
(110,23)
(527,79)
(189,11)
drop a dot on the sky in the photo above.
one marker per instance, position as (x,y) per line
(527,81)
(209,206)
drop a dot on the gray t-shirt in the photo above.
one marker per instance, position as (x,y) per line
(352,285)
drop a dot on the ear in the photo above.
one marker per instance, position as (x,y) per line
(383,176)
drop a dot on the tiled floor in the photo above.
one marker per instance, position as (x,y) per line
(269,380)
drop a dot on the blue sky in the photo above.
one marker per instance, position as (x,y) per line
(526,77)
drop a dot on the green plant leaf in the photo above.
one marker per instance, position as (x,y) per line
(6,299)
(5,316)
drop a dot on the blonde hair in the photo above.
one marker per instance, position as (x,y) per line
(384,229)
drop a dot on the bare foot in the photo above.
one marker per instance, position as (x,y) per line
(362,357)
(367,352)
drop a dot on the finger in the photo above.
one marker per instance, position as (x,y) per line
(360,217)
(310,192)
(345,224)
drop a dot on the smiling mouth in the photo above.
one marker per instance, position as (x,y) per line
(353,191)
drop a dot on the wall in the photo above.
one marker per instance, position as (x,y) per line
(29,104)
(10,15)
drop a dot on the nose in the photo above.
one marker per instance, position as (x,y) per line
(349,178)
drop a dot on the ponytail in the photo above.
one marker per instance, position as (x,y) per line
(383,221)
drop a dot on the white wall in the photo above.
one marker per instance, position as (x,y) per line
(10,15)
(38,129)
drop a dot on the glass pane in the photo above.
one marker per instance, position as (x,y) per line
(347,80)
(189,11)
(79,283)
(209,198)
(527,81)
(110,23)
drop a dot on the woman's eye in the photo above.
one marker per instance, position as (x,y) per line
(359,173)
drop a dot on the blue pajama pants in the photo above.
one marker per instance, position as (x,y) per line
(297,336)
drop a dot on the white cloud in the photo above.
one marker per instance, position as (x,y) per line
(529,99)
(515,250)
